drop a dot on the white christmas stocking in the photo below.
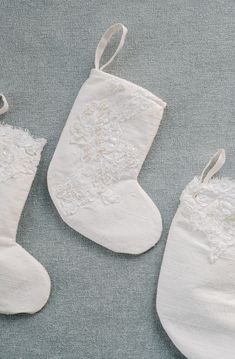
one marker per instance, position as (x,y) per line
(196,290)
(92,178)
(24,283)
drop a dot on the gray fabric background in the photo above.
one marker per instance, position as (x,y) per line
(102,305)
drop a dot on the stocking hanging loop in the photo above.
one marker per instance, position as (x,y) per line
(104,41)
(213,166)
(3,104)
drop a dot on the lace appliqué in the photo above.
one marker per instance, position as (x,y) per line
(104,157)
(136,99)
(19,152)
(210,208)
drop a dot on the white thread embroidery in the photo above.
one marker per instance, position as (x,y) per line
(19,152)
(104,158)
(137,99)
(210,208)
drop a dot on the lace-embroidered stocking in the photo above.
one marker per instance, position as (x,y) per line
(92,178)
(24,283)
(196,291)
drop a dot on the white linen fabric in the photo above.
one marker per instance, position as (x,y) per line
(24,283)
(196,290)
(92,178)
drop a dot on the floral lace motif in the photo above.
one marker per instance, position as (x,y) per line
(104,157)
(19,152)
(210,208)
(139,99)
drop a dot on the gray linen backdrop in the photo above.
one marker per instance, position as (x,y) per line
(102,304)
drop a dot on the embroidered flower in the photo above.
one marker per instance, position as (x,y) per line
(109,197)
(210,208)
(104,157)
(115,86)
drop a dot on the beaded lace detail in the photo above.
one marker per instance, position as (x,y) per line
(104,157)
(210,208)
(19,152)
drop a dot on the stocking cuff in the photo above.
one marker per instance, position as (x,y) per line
(19,152)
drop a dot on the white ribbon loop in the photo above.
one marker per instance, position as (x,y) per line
(3,104)
(213,166)
(104,41)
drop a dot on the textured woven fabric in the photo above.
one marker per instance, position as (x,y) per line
(102,304)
